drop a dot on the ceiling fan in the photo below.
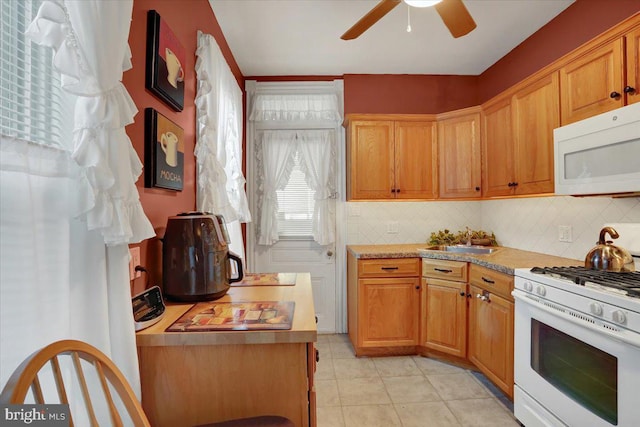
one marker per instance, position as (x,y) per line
(454,14)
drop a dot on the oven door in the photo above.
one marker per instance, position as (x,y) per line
(572,370)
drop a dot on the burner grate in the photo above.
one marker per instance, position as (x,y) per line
(625,281)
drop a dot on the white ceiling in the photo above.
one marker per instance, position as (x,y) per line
(302,37)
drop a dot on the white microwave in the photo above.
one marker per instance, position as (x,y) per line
(599,155)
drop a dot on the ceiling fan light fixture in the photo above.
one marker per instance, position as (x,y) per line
(422,3)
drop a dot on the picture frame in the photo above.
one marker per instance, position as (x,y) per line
(166,59)
(163,152)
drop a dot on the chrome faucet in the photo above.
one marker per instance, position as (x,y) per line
(469,234)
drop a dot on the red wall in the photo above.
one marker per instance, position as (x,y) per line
(184,19)
(576,25)
(408,94)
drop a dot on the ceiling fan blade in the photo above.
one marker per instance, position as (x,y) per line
(370,18)
(456,17)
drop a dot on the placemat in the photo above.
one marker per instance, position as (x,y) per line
(235,316)
(267,279)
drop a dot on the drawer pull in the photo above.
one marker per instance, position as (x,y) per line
(389,268)
(484,279)
(443,270)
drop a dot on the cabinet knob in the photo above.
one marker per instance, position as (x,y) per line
(317,355)
(418,287)
(393,190)
(629,89)
(614,95)
(462,294)
(477,188)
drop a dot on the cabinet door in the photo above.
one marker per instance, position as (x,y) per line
(445,321)
(459,152)
(633,66)
(497,150)
(587,83)
(371,160)
(535,115)
(416,161)
(491,338)
(388,312)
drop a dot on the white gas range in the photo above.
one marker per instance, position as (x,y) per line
(577,347)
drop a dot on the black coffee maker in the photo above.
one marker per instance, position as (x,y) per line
(196,262)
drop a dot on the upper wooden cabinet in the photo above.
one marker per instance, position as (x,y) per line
(498,172)
(633,66)
(459,152)
(535,113)
(517,140)
(391,159)
(602,79)
(416,160)
(593,83)
(370,160)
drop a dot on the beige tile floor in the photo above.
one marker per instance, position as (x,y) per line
(410,391)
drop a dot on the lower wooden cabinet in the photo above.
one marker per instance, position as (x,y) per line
(388,312)
(383,300)
(491,337)
(445,316)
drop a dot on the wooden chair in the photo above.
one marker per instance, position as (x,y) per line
(26,377)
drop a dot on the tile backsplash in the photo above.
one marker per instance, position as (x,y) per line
(528,223)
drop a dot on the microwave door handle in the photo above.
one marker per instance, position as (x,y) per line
(624,336)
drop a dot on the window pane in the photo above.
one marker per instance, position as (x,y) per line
(32,104)
(295,205)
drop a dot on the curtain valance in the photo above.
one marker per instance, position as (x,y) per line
(288,107)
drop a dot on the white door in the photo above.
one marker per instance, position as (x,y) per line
(305,256)
(296,251)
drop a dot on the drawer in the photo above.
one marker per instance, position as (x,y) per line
(389,267)
(491,280)
(443,269)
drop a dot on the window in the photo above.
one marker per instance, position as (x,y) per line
(32,103)
(295,205)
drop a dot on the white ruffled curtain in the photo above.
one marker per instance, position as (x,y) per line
(276,152)
(67,217)
(317,151)
(218,149)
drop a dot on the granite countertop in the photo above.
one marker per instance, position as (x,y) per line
(504,259)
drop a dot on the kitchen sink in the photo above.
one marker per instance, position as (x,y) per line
(463,249)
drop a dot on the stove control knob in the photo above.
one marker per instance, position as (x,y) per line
(596,309)
(528,286)
(540,290)
(618,316)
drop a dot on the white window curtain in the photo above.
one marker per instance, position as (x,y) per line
(275,156)
(221,183)
(318,152)
(275,151)
(67,216)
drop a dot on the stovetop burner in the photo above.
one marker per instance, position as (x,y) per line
(624,281)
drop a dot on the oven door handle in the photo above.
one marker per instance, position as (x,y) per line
(624,335)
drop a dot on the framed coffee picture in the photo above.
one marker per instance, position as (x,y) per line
(163,152)
(165,62)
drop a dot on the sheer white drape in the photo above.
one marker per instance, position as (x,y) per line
(67,217)
(317,150)
(219,140)
(276,151)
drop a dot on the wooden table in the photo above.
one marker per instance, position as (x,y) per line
(191,378)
